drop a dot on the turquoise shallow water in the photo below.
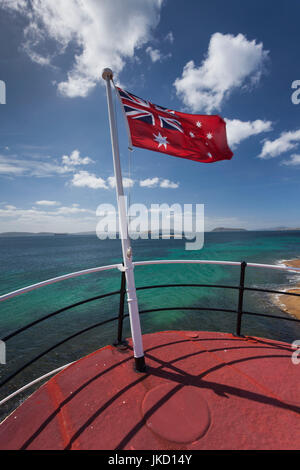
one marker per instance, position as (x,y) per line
(26,260)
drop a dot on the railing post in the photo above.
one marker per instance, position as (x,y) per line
(241,298)
(121,310)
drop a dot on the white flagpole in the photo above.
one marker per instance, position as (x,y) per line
(134,316)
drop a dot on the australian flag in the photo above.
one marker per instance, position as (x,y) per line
(192,136)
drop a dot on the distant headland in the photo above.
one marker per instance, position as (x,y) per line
(225,229)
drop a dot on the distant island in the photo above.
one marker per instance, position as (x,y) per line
(43,234)
(25,234)
(224,229)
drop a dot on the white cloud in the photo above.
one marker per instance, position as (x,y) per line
(65,219)
(12,165)
(75,159)
(156,55)
(39,166)
(240,130)
(149,182)
(155,181)
(35,57)
(170,37)
(84,179)
(231,62)
(11,168)
(168,184)
(65,210)
(287,141)
(293,161)
(100,34)
(13,4)
(127,182)
(47,203)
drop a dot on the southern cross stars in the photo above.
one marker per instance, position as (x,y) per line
(161,140)
(208,135)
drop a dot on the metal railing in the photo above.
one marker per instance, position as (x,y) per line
(239,311)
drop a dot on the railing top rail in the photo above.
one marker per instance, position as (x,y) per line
(228,263)
(183,261)
(273,266)
(136,264)
(39,379)
(58,279)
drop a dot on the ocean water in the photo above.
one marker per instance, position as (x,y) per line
(26,260)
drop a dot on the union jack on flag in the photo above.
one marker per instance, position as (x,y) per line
(193,136)
(142,115)
(149,114)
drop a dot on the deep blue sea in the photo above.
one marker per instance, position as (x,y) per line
(27,260)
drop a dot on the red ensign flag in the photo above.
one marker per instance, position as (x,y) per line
(193,136)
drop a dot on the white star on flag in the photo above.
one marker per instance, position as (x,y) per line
(198,124)
(209,154)
(191,134)
(161,140)
(209,135)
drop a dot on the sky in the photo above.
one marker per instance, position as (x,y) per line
(236,59)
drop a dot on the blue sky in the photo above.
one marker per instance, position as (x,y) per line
(236,59)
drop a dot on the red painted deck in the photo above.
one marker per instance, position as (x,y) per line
(203,390)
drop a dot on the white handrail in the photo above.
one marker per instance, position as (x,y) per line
(273,266)
(136,264)
(183,261)
(58,279)
(34,382)
(204,261)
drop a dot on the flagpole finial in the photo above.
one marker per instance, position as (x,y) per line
(107,74)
